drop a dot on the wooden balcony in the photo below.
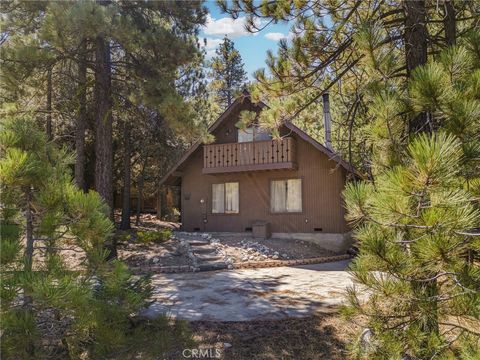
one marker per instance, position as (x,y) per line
(249,156)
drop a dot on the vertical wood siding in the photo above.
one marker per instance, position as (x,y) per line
(322,183)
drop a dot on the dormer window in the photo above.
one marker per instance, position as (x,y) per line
(253,133)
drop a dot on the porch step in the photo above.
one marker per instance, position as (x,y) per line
(208,257)
(203,250)
(211,266)
(198,242)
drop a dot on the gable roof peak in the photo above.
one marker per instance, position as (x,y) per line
(289,124)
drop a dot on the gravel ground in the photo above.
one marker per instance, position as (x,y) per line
(241,249)
(232,248)
(165,254)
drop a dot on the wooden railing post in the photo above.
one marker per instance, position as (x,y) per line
(249,153)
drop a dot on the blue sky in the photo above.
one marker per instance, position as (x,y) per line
(252,47)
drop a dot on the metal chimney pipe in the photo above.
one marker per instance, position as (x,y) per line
(327,121)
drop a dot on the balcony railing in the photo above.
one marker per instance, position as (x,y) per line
(249,156)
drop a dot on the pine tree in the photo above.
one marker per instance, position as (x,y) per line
(326,52)
(416,287)
(228,74)
(52,308)
(416,223)
(84,41)
(415,227)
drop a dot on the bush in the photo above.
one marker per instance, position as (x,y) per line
(174,215)
(122,237)
(146,237)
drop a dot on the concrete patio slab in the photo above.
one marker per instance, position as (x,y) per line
(250,294)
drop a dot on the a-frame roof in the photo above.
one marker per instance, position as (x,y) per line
(172,174)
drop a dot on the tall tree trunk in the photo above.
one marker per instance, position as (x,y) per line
(159,202)
(416,55)
(125,224)
(139,199)
(449,23)
(80,125)
(103,123)
(28,230)
(27,290)
(49,127)
(416,50)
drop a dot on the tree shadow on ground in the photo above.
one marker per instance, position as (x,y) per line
(264,313)
(244,295)
(321,336)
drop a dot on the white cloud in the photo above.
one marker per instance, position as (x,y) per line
(226,26)
(210,47)
(275,36)
(212,43)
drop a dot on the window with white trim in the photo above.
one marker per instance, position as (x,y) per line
(286,196)
(225,198)
(253,133)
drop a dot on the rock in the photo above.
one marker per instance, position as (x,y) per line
(230,267)
(276,253)
(155,260)
(275,257)
(182,248)
(285,256)
(251,257)
(366,338)
(192,257)
(227,345)
(353,250)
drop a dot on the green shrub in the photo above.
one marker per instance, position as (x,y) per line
(123,237)
(146,237)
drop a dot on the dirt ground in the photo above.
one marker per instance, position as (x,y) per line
(153,254)
(234,249)
(147,222)
(134,254)
(322,336)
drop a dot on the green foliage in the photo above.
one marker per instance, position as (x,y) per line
(356,51)
(439,88)
(227,73)
(123,237)
(412,227)
(56,309)
(164,96)
(414,219)
(146,237)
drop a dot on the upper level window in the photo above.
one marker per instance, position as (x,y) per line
(245,135)
(253,133)
(225,198)
(286,196)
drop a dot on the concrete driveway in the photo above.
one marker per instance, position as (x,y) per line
(250,294)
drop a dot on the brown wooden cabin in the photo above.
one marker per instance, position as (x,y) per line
(292,186)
